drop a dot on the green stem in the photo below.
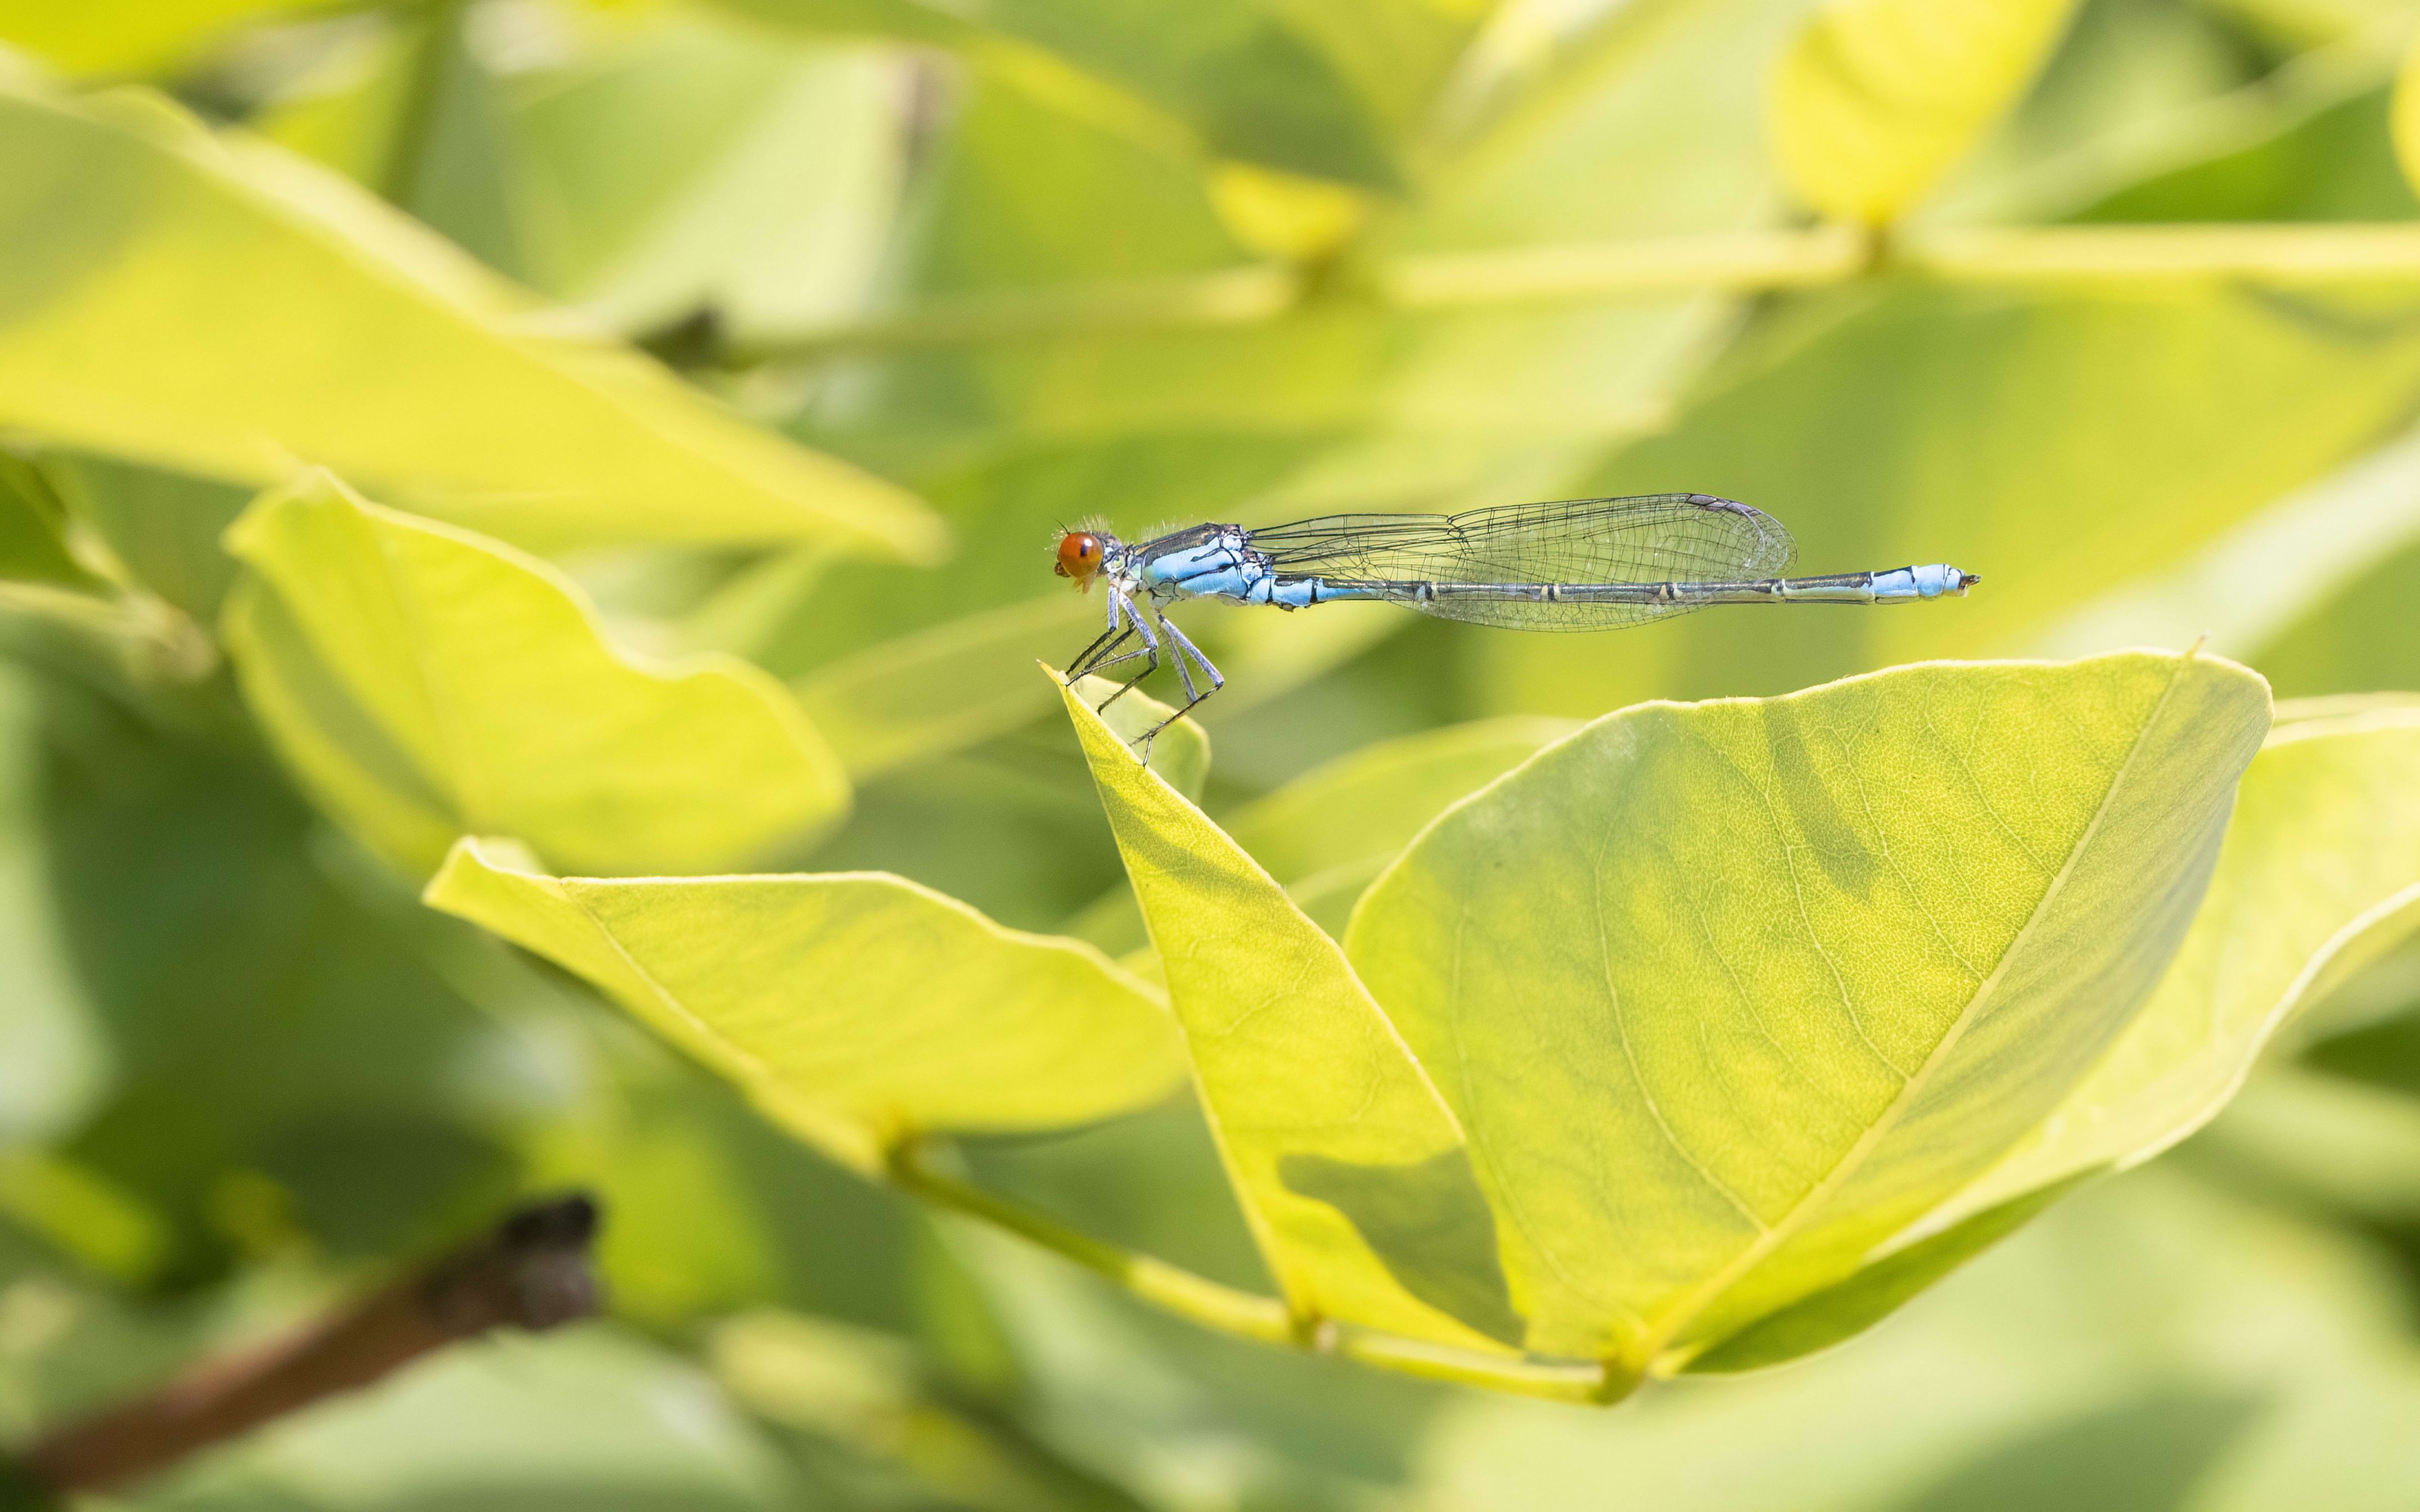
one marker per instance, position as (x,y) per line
(433,58)
(1249,1315)
(1654,268)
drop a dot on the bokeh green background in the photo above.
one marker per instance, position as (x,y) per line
(1046,260)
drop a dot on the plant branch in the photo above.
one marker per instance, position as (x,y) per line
(1646,268)
(530,1272)
(1249,1315)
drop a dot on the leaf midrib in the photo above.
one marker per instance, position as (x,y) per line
(1788,1225)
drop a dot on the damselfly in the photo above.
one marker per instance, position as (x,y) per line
(1570,564)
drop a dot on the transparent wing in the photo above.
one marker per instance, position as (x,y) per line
(1645,538)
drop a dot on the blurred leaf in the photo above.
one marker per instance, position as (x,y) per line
(131,38)
(2252,584)
(310,322)
(50,1052)
(2135,1457)
(588,1416)
(1847,1308)
(2405,116)
(2319,875)
(426,683)
(1319,88)
(1323,1117)
(164,528)
(2075,1361)
(940,689)
(689,166)
(202,933)
(862,1392)
(1817,962)
(1661,136)
(2370,1029)
(83,1214)
(2355,640)
(420,122)
(713,1208)
(1189,1417)
(2061,444)
(2336,165)
(1878,97)
(1011,828)
(31,517)
(2352,1148)
(1369,805)
(857,1010)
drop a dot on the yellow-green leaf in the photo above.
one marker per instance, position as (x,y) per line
(942,689)
(1727,995)
(2319,875)
(215,304)
(1328,832)
(2407,117)
(32,546)
(130,39)
(1351,1172)
(426,683)
(1876,99)
(858,1009)
(1180,752)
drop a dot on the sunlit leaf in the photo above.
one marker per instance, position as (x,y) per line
(1815,963)
(1348,1166)
(2319,875)
(426,683)
(1326,835)
(857,1009)
(1179,752)
(282,316)
(1878,97)
(130,39)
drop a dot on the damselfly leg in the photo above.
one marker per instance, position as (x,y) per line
(1180,648)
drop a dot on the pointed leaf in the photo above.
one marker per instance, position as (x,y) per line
(1877,98)
(282,314)
(1729,995)
(857,1009)
(1326,835)
(1350,1170)
(424,683)
(2319,875)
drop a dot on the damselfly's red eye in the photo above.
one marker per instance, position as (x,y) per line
(1080,555)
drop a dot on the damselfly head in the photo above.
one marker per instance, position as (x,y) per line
(1080,555)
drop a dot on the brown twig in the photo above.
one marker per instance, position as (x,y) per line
(530,1272)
